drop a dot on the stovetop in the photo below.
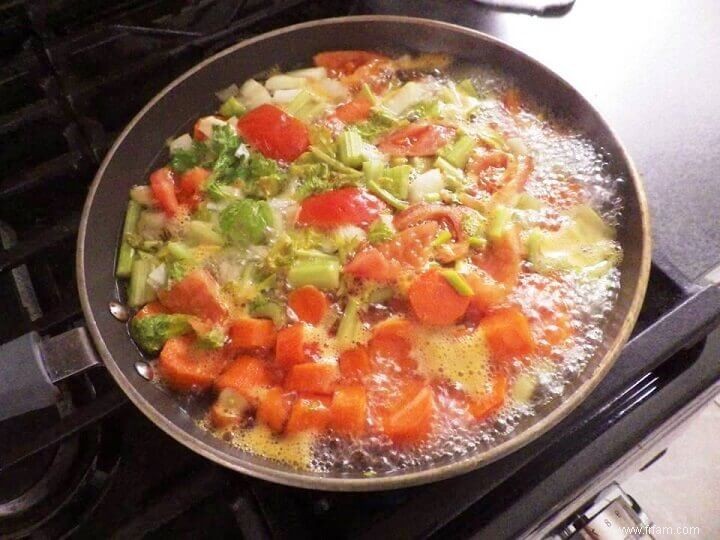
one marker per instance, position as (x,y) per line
(73,74)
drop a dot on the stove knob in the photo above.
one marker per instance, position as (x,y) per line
(617,521)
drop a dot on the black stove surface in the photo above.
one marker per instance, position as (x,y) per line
(73,73)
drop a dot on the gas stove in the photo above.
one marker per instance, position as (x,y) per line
(90,465)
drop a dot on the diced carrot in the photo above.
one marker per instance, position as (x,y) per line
(196,294)
(309,413)
(434,300)
(348,410)
(312,378)
(354,363)
(289,346)
(411,421)
(275,408)
(153,308)
(248,376)
(308,303)
(502,259)
(512,101)
(392,340)
(490,403)
(248,334)
(353,111)
(185,367)
(488,293)
(507,333)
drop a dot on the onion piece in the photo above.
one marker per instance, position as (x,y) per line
(284,82)
(253,94)
(228,92)
(285,96)
(309,73)
(183,142)
(426,183)
(158,277)
(205,125)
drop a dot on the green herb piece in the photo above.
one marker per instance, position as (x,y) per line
(457,282)
(214,339)
(184,160)
(246,222)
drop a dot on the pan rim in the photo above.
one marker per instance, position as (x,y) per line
(400,480)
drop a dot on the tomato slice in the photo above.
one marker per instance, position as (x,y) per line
(346,206)
(190,186)
(416,140)
(353,111)
(274,133)
(162,183)
(345,62)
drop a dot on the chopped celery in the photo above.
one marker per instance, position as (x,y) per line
(494,139)
(527,202)
(457,282)
(398,160)
(500,220)
(232,107)
(432,197)
(467,87)
(313,254)
(473,223)
(420,163)
(349,326)
(323,273)
(350,148)
(334,163)
(201,232)
(367,93)
(477,242)
(179,251)
(380,232)
(458,153)
(127,252)
(305,106)
(142,195)
(450,170)
(400,180)
(139,292)
(386,196)
(443,237)
(524,388)
(373,170)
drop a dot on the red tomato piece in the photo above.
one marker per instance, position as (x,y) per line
(190,186)
(416,140)
(274,133)
(353,111)
(371,264)
(345,62)
(162,184)
(346,206)
(196,294)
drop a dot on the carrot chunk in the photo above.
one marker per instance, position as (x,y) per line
(508,334)
(391,340)
(308,303)
(196,294)
(248,334)
(313,378)
(274,408)
(248,376)
(411,421)
(289,346)
(489,404)
(185,367)
(434,300)
(348,410)
(309,413)
(153,308)
(354,363)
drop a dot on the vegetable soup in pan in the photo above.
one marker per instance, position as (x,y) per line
(371,263)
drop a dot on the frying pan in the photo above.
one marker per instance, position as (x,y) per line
(141,148)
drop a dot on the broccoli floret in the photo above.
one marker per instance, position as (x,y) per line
(246,221)
(214,339)
(152,331)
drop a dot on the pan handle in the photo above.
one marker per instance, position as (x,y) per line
(30,367)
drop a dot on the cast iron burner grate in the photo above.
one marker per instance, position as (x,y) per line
(72,73)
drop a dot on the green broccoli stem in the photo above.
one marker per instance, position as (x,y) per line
(127,252)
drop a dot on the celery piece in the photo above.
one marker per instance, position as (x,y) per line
(323,273)
(349,324)
(457,282)
(443,237)
(500,220)
(301,100)
(179,251)
(139,292)
(458,153)
(420,163)
(232,107)
(467,87)
(334,163)
(386,196)
(367,93)
(127,252)
(201,232)
(313,254)
(450,170)
(432,197)
(477,242)
(350,148)
(373,170)
(400,176)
